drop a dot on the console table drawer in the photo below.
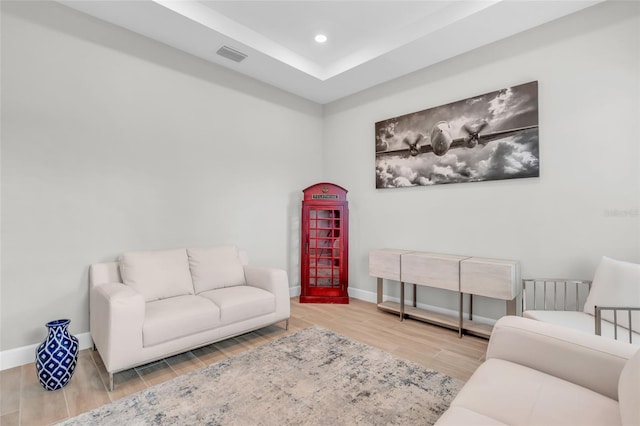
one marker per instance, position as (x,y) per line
(496,278)
(432,270)
(385,263)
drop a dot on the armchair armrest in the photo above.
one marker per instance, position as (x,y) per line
(615,309)
(586,360)
(554,294)
(116,315)
(273,280)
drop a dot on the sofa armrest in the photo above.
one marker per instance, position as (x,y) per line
(586,360)
(116,315)
(273,280)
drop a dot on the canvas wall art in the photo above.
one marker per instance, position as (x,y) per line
(488,137)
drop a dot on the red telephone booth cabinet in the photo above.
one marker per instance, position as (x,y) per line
(325,245)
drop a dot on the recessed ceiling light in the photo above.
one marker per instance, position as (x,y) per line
(321,38)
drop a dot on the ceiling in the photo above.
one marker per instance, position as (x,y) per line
(369,42)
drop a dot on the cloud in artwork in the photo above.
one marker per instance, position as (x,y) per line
(511,160)
(515,156)
(500,104)
(394,172)
(401,181)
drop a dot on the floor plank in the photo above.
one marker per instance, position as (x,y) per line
(85,391)
(39,406)
(156,373)
(11,419)
(10,391)
(185,363)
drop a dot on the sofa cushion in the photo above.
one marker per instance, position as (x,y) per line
(215,267)
(516,395)
(582,322)
(615,283)
(157,274)
(176,317)
(629,391)
(241,302)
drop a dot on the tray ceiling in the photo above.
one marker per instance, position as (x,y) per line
(369,42)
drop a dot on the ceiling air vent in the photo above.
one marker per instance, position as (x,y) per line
(232,54)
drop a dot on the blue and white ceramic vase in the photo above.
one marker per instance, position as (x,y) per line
(57,356)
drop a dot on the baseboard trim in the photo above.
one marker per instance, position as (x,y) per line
(27,354)
(294,291)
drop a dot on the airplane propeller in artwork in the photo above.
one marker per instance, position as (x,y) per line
(441,140)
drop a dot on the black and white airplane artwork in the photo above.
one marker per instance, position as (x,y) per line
(441,142)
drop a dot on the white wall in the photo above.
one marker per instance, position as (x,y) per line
(585,203)
(113,142)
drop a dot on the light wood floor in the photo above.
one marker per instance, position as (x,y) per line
(25,402)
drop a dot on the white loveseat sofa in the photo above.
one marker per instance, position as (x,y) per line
(538,373)
(154,304)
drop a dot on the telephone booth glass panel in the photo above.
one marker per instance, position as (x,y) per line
(324,247)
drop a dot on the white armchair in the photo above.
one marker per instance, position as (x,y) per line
(537,373)
(608,306)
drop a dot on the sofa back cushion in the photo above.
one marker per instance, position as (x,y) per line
(629,391)
(215,267)
(615,283)
(157,274)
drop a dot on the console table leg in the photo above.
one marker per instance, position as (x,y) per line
(460,319)
(470,307)
(511,306)
(415,296)
(401,301)
(379,291)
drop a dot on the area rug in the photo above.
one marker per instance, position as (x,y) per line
(313,377)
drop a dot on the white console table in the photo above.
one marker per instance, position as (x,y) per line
(495,278)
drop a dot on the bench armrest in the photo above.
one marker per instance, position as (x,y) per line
(116,315)
(586,360)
